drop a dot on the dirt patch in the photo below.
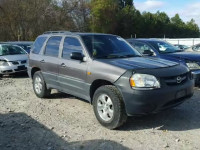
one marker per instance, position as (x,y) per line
(65,122)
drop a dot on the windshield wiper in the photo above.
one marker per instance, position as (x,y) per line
(118,56)
(180,50)
(131,55)
(109,56)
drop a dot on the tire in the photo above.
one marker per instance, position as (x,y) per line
(109,115)
(39,86)
(1,76)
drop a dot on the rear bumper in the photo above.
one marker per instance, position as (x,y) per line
(196,76)
(4,70)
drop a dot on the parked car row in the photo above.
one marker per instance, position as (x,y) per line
(195,48)
(182,47)
(162,49)
(14,57)
(26,45)
(111,74)
(119,77)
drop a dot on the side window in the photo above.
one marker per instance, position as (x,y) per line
(142,48)
(52,47)
(71,45)
(38,44)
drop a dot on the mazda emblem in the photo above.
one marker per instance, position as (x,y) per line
(178,79)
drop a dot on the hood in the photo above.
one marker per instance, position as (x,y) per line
(14,57)
(192,56)
(140,63)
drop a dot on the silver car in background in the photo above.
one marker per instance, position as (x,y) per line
(13,59)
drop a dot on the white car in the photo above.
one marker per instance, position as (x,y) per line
(13,59)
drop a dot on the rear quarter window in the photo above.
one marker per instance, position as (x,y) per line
(38,45)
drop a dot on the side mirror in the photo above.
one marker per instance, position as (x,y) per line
(148,53)
(77,56)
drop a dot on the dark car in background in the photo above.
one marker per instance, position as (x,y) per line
(26,45)
(109,73)
(195,48)
(182,47)
(162,49)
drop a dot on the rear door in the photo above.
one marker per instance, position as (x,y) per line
(50,61)
(72,73)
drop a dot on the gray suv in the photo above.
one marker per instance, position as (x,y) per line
(106,71)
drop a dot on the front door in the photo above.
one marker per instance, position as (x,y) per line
(72,73)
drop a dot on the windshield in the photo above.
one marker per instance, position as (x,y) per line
(27,48)
(108,46)
(164,47)
(11,50)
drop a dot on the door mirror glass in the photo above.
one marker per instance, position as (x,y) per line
(77,56)
(148,53)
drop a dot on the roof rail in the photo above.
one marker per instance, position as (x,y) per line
(56,32)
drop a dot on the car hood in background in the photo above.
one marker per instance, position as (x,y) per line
(14,57)
(192,56)
(140,63)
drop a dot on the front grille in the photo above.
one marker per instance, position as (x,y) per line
(7,71)
(15,63)
(21,68)
(176,80)
(23,61)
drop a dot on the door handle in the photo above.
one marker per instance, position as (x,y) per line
(63,65)
(42,61)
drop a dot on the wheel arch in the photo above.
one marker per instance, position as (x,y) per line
(34,70)
(96,84)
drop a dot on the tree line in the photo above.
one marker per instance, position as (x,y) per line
(26,19)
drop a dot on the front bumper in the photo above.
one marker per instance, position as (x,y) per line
(142,102)
(196,76)
(4,70)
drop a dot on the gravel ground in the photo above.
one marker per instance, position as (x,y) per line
(65,122)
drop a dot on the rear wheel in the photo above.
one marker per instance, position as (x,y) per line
(39,86)
(108,107)
(1,75)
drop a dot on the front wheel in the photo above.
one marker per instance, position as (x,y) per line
(108,107)
(39,86)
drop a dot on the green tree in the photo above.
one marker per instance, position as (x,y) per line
(192,29)
(104,16)
(129,22)
(124,3)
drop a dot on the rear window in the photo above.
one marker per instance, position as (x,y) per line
(38,44)
(52,47)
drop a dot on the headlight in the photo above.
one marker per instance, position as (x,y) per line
(193,65)
(3,63)
(144,81)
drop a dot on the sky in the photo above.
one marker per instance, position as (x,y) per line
(187,9)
